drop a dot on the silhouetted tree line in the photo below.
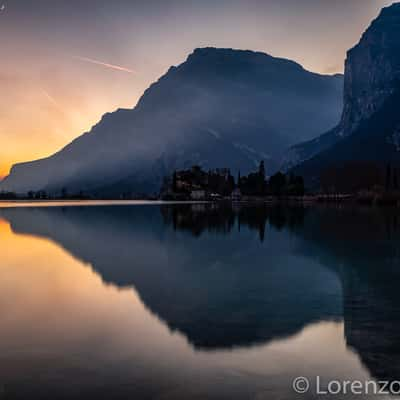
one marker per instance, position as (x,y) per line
(355,176)
(8,196)
(44,195)
(218,181)
(391,178)
(39,195)
(279,184)
(221,181)
(63,195)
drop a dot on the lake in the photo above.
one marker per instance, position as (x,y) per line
(195,301)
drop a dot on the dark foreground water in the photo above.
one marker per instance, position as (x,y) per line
(196,302)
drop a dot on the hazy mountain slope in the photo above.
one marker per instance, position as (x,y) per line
(371,77)
(221,107)
(377,139)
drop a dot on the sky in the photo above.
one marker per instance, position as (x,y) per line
(64,63)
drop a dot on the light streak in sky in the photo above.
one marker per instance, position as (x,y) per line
(107,65)
(50,98)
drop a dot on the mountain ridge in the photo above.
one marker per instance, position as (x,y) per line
(372,72)
(221,107)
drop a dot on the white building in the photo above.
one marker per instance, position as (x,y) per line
(198,194)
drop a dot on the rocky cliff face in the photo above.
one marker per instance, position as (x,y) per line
(372,71)
(221,107)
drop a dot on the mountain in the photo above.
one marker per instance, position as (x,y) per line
(221,107)
(210,298)
(213,300)
(369,129)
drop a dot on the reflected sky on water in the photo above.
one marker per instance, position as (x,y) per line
(195,301)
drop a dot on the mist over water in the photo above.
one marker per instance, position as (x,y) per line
(195,301)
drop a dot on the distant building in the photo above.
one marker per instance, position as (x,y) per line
(198,194)
(197,184)
(215,196)
(236,195)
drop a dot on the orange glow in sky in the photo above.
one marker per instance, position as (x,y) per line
(49,97)
(55,309)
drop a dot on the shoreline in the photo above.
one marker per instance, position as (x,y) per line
(269,201)
(87,203)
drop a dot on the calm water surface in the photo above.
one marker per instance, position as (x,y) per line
(195,302)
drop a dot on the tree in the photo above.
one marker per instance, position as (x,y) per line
(64,193)
(174,182)
(261,170)
(388,182)
(295,186)
(395,179)
(353,176)
(261,179)
(8,196)
(299,186)
(230,185)
(277,184)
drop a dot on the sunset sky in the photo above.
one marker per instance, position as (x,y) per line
(64,63)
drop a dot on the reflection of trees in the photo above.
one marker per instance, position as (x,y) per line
(222,218)
(355,235)
(197,218)
(362,245)
(220,290)
(371,315)
(228,290)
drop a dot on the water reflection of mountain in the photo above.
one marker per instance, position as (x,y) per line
(205,272)
(362,244)
(219,290)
